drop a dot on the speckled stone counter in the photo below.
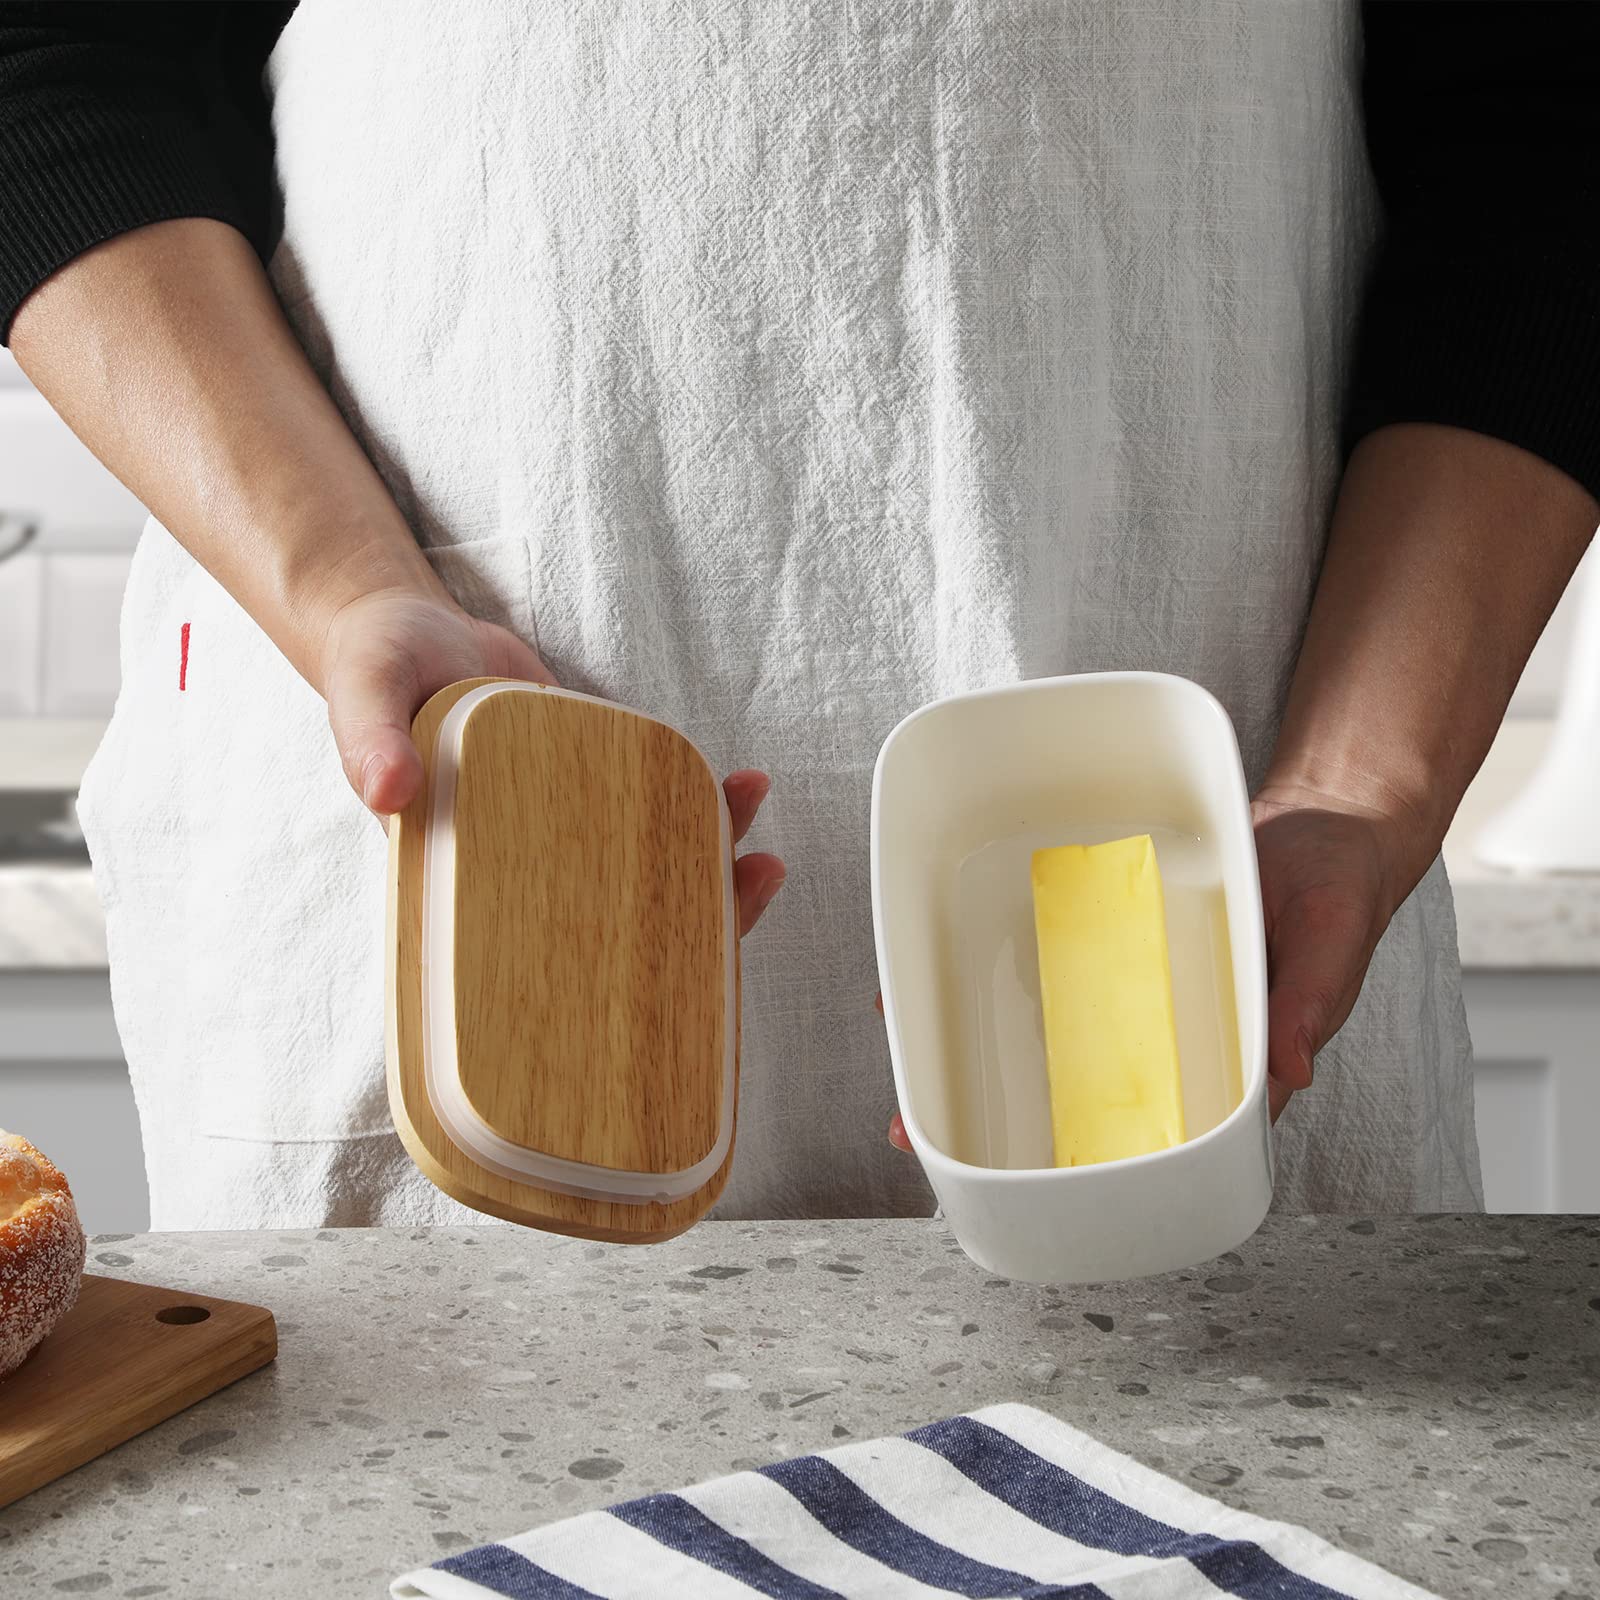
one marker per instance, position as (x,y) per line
(1425,1392)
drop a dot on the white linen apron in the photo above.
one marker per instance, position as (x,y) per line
(773,369)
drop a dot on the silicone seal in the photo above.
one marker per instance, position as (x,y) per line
(440,1062)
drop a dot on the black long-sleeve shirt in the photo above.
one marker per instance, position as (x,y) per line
(1483,130)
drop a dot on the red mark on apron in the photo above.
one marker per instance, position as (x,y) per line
(183,657)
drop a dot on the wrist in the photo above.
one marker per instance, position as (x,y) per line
(1407,828)
(369,613)
(318,582)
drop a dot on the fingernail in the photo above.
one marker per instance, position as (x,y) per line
(770,892)
(371,771)
(1302,1044)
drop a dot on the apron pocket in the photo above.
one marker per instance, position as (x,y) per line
(244,882)
(287,892)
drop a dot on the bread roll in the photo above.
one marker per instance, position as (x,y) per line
(41,1249)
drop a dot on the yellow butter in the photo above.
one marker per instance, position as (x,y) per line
(1106,981)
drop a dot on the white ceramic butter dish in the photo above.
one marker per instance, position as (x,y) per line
(965,790)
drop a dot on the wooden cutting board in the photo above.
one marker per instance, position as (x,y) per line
(127,1356)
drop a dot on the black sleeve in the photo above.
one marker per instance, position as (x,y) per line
(116,115)
(1483,311)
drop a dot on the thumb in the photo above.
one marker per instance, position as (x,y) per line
(371,701)
(1314,982)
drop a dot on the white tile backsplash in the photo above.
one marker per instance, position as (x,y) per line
(21,593)
(60,600)
(50,476)
(1539,692)
(82,604)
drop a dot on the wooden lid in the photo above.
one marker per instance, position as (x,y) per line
(563,964)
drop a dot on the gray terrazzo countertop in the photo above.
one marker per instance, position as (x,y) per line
(1421,1391)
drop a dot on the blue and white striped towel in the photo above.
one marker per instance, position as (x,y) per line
(1004,1502)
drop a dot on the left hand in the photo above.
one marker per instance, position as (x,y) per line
(1332,875)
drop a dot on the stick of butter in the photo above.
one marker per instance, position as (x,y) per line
(1106,982)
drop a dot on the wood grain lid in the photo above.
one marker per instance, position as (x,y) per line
(564,962)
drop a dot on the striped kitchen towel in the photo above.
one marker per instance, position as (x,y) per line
(1004,1502)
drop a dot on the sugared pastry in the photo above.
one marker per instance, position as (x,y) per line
(41,1249)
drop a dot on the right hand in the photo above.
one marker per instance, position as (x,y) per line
(386,653)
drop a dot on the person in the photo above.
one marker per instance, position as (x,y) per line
(775,369)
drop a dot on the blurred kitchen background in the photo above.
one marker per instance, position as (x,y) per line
(1530,940)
